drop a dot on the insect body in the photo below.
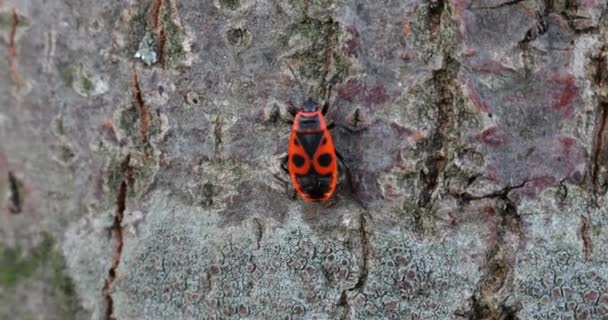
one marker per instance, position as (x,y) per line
(311,155)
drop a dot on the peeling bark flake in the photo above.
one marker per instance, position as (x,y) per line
(12,50)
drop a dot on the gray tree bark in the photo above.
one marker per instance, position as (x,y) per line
(141,142)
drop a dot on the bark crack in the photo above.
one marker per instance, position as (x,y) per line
(159,28)
(501,5)
(366,251)
(436,8)
(465,197)
(444,83)
(585,237)
(259,231)
(15,195)
(443,80)
(140,106)
(217,131)
(343,303)
(12,50)
(117,235)
(600,145)
(489,300)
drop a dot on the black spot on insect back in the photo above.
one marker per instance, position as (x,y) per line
(298,160)
(325,160)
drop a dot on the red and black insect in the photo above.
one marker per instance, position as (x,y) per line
(312,159)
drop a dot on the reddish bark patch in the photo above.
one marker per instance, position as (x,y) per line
(564,100)
(481,105)
(459,6)
(492,137)
(351,90)
(351,45)
(356,90)
(401,130)
(405,56)
(488,209)
(536,185)
(376,95)
(566,144)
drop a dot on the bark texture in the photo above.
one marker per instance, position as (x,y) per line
(140,146)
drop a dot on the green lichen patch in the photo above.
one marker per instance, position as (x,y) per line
(16,265)
(147,50)
(174,38)
(85,83)
(40,264)
(230,4)
(67,74)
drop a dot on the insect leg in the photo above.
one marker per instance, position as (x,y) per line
(325,108)
(284,165)
(286,169)
(292,109)
(349,177)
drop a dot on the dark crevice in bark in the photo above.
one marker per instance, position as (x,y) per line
(600,145)
(343,304)
(140,106)
(259,231)
(365,252)
(117,236)
(162,38)
(217,131)
(15,196)
(488,302)
(465,197)
(445,87)
(501,5)
(443,80)
(158,27)
(585,237)
(12,50)
(527,57)
(538,30)
(436,8)
(599,148)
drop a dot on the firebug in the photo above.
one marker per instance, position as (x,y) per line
(312,158)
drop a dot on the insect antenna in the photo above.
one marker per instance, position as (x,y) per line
(298,81)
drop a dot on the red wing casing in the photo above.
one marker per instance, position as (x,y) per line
(312,161)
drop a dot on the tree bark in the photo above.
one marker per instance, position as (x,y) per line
(141,144)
